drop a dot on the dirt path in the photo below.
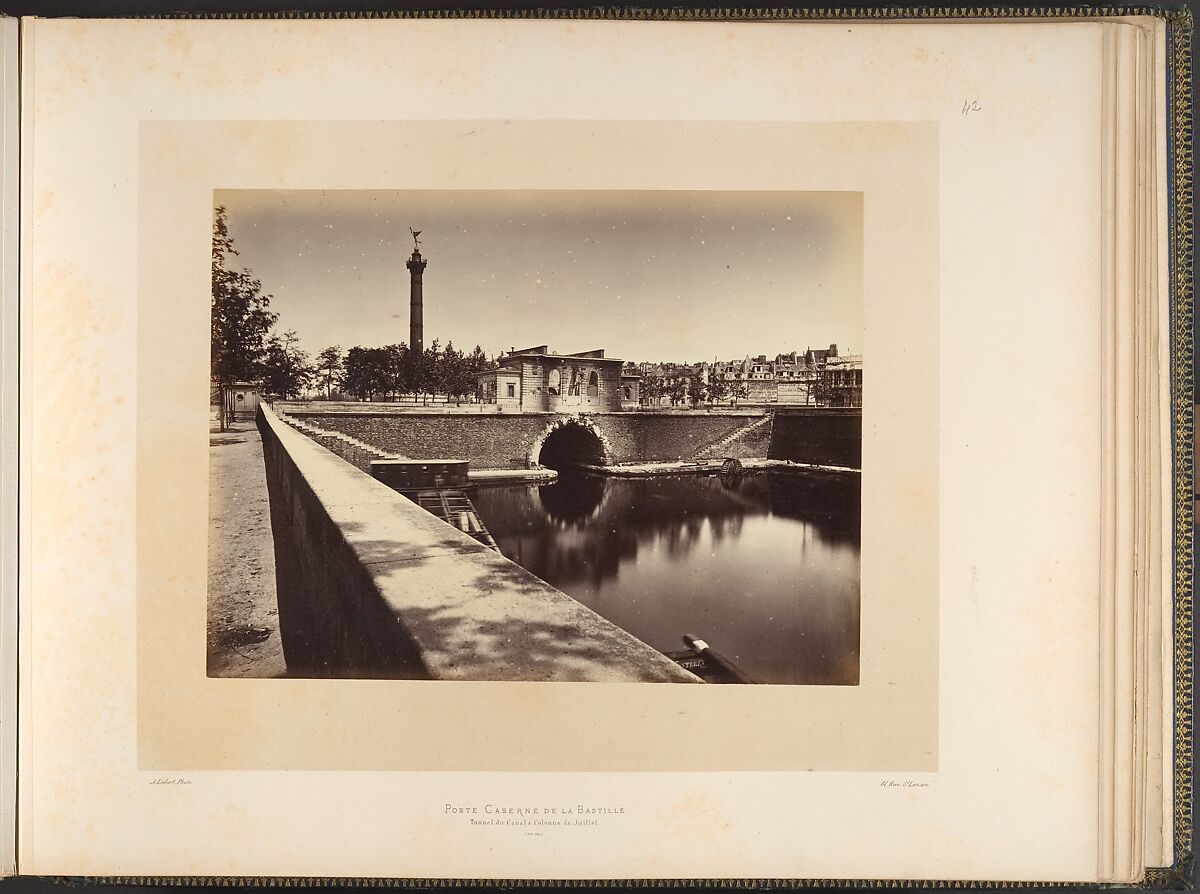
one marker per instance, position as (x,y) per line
(243,621)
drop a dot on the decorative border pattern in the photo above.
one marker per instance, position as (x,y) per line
(1181,240)
(727,14)
(1181,233)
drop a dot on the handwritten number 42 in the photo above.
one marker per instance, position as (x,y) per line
(971,105)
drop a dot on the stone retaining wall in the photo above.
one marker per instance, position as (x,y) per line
(816,435)
(670,438)
(506,441)
(487,442)
(372,586)
(751,441)
(819,436)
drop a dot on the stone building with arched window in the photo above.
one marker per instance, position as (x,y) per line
(535,380)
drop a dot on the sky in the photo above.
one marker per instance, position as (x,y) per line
(678,276)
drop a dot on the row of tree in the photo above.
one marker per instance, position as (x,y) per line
(691,389)
(371,373)
(247,348)
(394,370)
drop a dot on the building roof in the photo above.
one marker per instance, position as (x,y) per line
(544,351)
(492,372)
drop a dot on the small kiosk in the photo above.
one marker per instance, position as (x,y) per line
(241,401)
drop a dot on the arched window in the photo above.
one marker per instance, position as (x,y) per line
(593,385)
(628,393)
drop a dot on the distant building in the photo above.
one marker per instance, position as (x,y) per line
(841,378)
(631,388)
(669,384)
(813,377)
(820,357)
(535,380)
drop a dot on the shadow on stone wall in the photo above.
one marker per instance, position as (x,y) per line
(371,586)
(332,621)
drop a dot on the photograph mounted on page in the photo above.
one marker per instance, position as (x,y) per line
(396,490)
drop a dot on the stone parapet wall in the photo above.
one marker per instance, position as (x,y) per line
(372,586)
(356,456)
(818,436)
(440,405)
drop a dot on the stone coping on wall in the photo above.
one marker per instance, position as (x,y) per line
(369,408)
(471,613)
(512,476)
(712,467)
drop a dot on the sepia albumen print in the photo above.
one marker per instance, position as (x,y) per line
(536,435)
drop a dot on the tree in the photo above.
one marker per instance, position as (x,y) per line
(372,371)
(394,362)
(240,316)
(717,389)
(740,390)
(821,389)
(414,372)
(429,366)
(475,363)
(652,387)
(696,391)
(677,389)
(286,370)
(457,376)
(356,377)
(329,368)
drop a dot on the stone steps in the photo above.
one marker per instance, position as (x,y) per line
(315,431)
(713,451)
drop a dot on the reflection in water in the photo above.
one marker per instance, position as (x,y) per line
(573,498)
(764,567)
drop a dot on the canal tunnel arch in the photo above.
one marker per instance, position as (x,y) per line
(568,442)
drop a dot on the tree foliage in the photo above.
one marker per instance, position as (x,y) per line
(677,390)
(286,368)
(244,347)
(652,387)
(718,388)
(388,372)
(426,370)
(371,372)
(329,366)
(740,390)
(821,390)
(241,318)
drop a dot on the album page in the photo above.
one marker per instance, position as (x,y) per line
(9,315)
(903,221)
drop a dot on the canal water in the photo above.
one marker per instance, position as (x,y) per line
(764,567)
